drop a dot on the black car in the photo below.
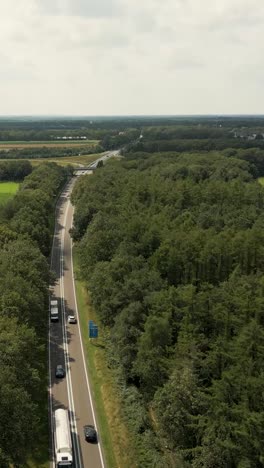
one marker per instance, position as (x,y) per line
(60,372)
(90,433)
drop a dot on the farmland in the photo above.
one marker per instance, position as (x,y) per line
(83,159)
(9,145)
(7,191)
(47,149)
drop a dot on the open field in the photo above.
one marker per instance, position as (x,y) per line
(84,159)
(8,145)
(117,446)
(7,191)
(74,160)
(64,160)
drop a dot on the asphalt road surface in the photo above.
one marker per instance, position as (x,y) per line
(107,154)
(72,392)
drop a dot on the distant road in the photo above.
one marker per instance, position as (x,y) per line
(65,344)
(84,169)
(106,155)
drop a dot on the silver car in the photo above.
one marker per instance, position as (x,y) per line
(72,319)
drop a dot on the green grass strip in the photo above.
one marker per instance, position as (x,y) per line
(7,191)
(116,440)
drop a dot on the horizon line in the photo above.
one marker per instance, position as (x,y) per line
(87,116)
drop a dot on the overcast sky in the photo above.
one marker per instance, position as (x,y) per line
(109,57)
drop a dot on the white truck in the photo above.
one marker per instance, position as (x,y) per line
(62,439)
(54,310)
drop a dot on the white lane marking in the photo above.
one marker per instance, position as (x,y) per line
(84,362)
(73,424)
(66,349)
(49,340)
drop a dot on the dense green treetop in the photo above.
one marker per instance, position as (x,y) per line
(14,170)
(26,230)
(171,248)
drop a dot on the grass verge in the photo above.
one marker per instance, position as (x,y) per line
(62,161)
(116,440)
(7,191)
(74,160)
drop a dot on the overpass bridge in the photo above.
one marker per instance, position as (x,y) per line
(83,170)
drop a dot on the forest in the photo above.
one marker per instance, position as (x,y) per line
(133,134)
(14,170)
(26,229)
(170,247)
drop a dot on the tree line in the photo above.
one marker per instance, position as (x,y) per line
(49,152)
(26,227)
(23,124)
(14,170)
(170,246)
(192,144)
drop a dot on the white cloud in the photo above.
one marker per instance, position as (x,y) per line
(129,56)
(89,8)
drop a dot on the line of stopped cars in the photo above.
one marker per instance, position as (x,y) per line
(90,433)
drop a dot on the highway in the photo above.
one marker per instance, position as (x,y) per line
(87,169)
(65,345)
(107,155)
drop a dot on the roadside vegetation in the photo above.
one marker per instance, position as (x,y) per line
(116,439)
(26,228)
